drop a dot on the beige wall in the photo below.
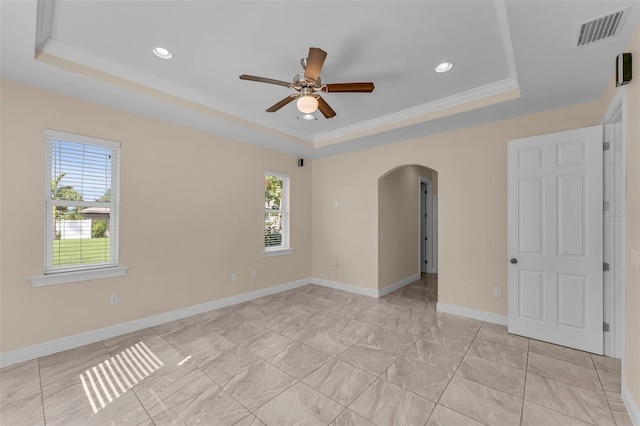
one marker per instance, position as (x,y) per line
(472,212)
(398,221)
(191,214)
(632,218)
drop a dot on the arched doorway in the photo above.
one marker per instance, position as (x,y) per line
(407,226)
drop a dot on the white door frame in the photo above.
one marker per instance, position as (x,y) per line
(425,207)
(614,225)
(434,241)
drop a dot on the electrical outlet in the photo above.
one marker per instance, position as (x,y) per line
(114,299)
(498,291)
(253,274)
(234,277)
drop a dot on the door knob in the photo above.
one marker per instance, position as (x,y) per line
(513,260)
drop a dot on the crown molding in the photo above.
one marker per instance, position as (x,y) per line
(455,104)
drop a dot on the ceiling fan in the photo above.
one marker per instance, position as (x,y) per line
(309,85)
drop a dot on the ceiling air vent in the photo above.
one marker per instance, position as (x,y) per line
(602,27)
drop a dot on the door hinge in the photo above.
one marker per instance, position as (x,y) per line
(605,326)
(605,205)
(606,146)
(605,266)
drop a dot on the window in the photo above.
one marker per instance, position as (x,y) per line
(276,214)
(81,203)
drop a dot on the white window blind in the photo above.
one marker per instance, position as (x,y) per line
(81,193)
(276,211)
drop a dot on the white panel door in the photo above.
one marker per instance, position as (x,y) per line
(555,238)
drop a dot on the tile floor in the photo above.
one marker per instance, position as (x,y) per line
(318,356)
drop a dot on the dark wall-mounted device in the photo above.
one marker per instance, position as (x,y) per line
(623,69)
(300,162)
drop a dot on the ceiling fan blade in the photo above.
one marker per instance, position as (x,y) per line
(350,87)
(315,60)
(282,103)
(264,80)
(325,109)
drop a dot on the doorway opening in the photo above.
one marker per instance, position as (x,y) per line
(407,222)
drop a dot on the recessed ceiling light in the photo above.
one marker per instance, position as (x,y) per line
(308,116)
(444,67)
(163,53)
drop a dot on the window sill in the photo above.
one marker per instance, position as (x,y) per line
(276,252)
(75,276)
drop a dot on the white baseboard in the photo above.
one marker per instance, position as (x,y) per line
(346,287)
(472,313)
(393,287)
(630,404)
(77,340)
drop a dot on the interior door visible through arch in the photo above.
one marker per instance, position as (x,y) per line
(427,242)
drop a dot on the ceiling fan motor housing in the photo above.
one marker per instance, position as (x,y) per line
(299,80)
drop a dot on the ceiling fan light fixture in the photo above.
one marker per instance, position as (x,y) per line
(308,117)
(444,67)
(307,104)
(162,53)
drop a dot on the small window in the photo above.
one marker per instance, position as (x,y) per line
(81,192)
(276,211)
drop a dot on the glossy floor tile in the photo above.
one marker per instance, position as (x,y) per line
(560,352)
(349,418)
(299,405)
(212,406)
(497,376)
(167,391)
(481,403)
(566,372)
(259,384)
(443,416)
(318,356)
(417,377)
(25,411)
(591,407)
(340,381)
(384,403)
(497,352)
(19,381)
(299,360)
(536,415)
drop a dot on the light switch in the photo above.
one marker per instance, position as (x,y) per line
(635,258)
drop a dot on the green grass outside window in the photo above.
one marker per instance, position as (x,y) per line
(84,251)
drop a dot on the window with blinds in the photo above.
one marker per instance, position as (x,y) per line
(276,211)
(81,193)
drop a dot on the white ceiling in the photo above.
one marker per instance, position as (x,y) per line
(511,58)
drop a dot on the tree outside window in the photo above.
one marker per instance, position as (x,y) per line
(276,210)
